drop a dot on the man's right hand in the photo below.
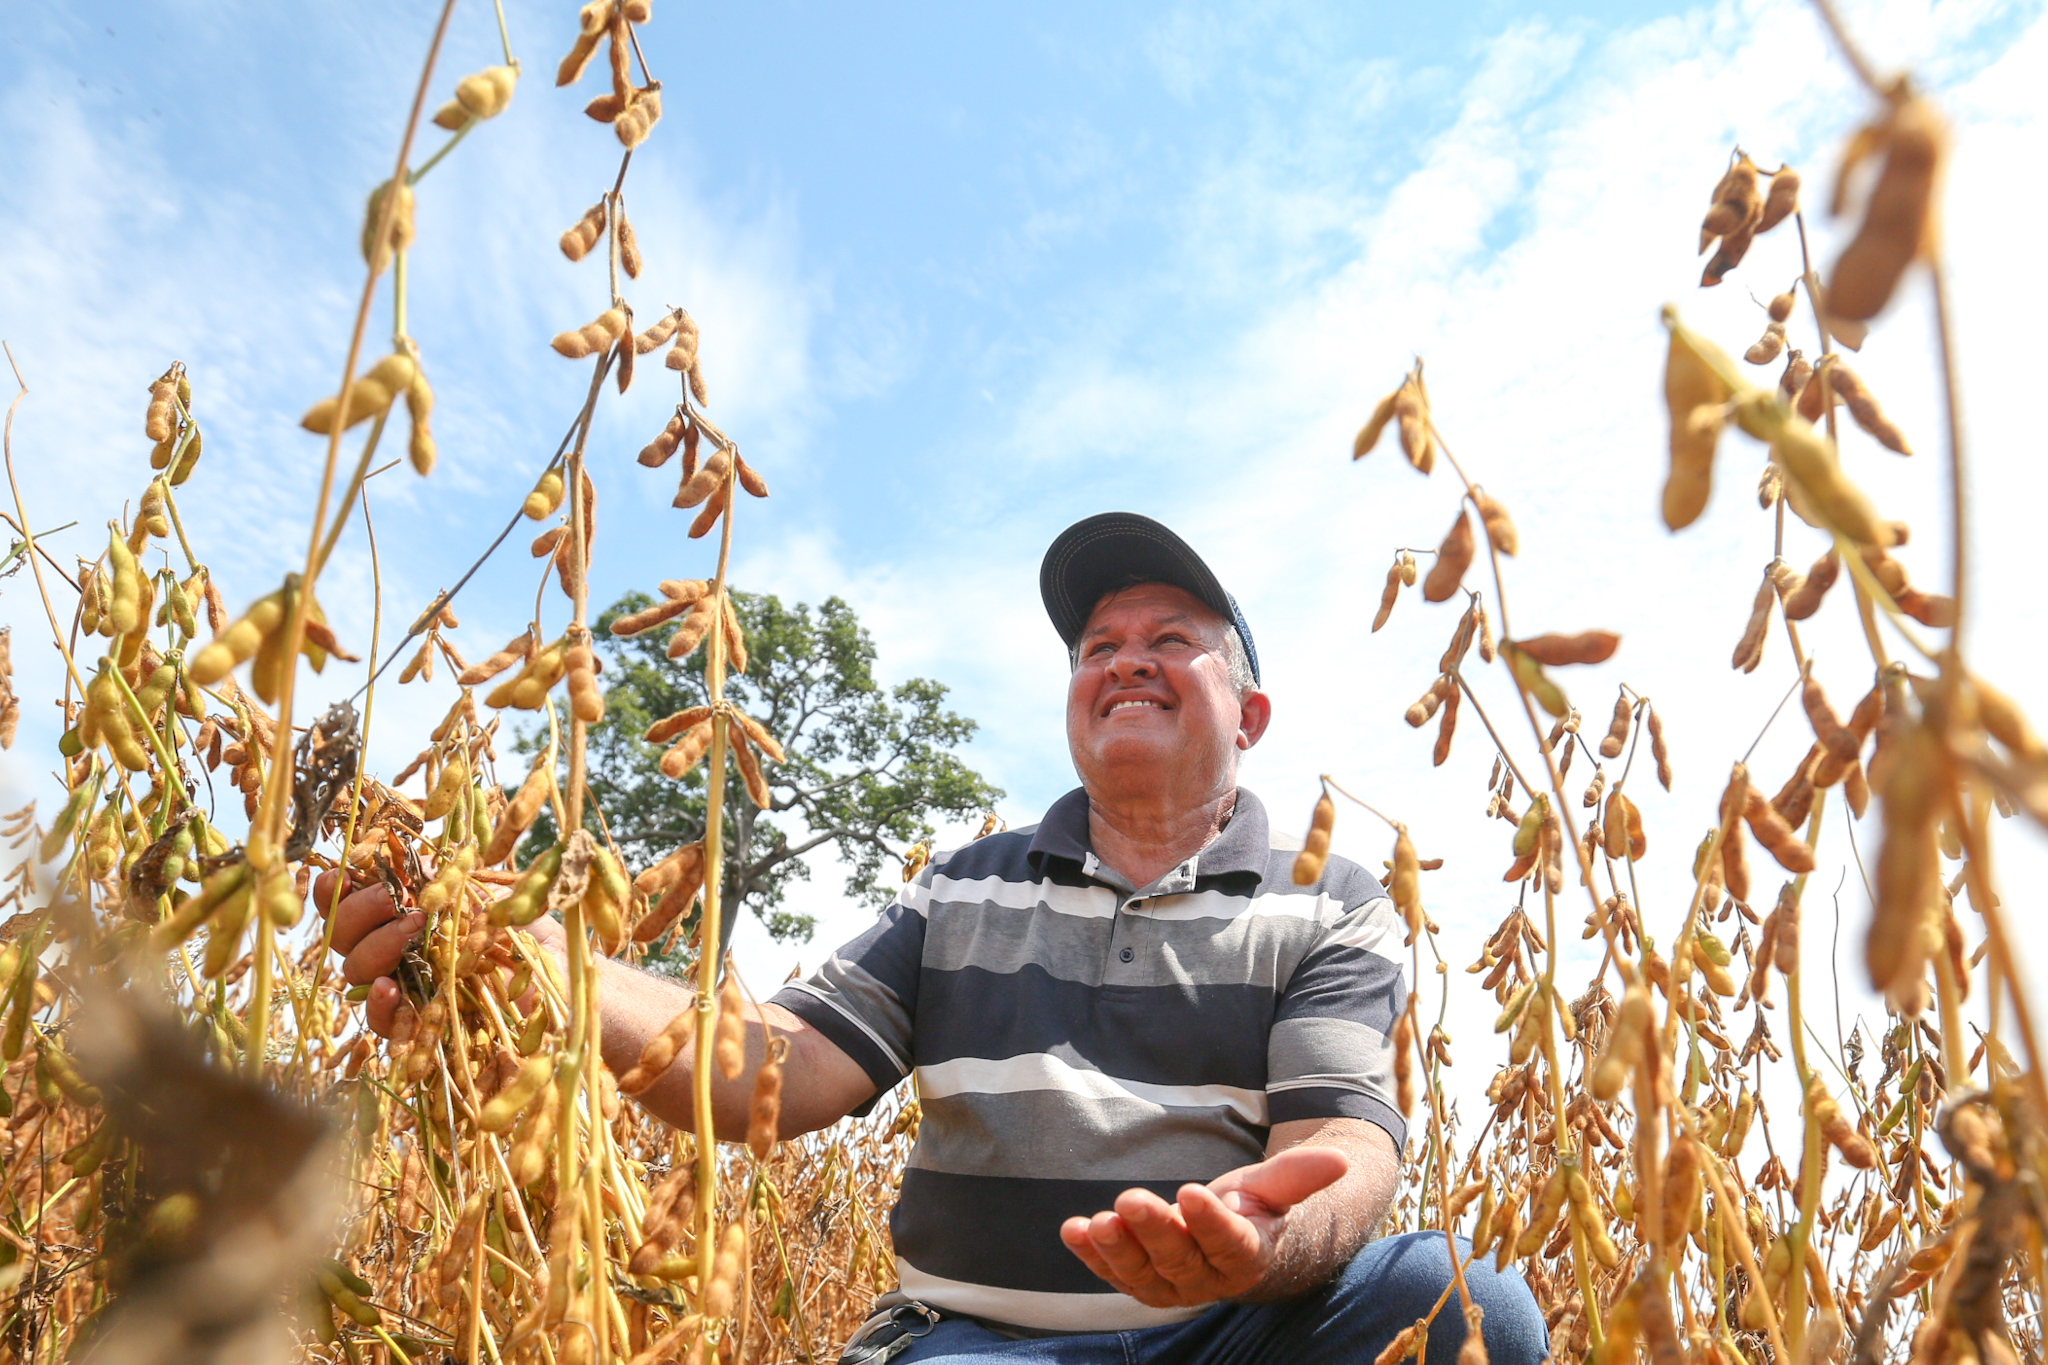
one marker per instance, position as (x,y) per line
(371,936)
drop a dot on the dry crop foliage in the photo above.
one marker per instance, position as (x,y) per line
(1629,1163)
(198,1130)
(497,1201)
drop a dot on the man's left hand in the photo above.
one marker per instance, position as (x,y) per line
(1217,1241)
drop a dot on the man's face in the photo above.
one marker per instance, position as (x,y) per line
(1150,706)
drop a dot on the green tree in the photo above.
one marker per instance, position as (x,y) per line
(867,771)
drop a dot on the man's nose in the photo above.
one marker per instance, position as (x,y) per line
(1131,664)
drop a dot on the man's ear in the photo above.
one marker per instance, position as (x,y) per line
(1255,713)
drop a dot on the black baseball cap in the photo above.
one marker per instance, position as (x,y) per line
(1098,555)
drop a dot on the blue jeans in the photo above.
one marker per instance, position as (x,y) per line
(1387,1286)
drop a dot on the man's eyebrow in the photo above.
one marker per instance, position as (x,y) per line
(1171,619)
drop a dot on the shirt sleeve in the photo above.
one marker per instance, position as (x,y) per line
(1329,1054)
(864,997)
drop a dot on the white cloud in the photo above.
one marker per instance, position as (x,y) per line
(1593,154)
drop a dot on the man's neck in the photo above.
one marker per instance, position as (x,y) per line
(1142,841)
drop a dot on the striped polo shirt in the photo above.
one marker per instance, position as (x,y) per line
(1073,1036)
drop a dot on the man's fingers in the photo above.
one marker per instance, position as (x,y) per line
(1125,1262)
(1074,1232)
(381,1009)
(323,890)
(1285,1179)
(359,913)
(1172,1252)
(376,954)
(1234,1245)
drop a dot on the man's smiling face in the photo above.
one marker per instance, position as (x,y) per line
(1150,703)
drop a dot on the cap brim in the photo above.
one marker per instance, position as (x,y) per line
(1115,550)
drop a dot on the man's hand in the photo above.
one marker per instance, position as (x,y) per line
(1216,1242)
(372,936)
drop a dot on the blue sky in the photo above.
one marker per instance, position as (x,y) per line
(966,274)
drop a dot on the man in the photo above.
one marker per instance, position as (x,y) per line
(1157,1088)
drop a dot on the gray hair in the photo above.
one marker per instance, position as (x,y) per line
(1235,660)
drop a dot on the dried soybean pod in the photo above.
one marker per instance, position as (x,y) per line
(1840,743)
(1446,725)
(1734,849)
(1530,829)
(1798,371)
(1749,650)
(1736,204)
(749,477)
(1388,594)
(1767,347)
(728,1036)
(578,240)
(1693,396)
(503,1109)
(684,755)
(1781,201)
(546,496)
(2001,718)
(1407,568)
(1403,1044)
(1614,825)
(1863,407)
(659,1052)
(1411,413)
(398,236)
(1638,842)
(629,250)
(1594,788)
(517,649)
(585,700)
(124,612)
(1453,557)
(1425,706)
(1369,434)
(764,1115)
(1617,728)
(1804,600)
(1315,849)
(1818,490)
(691,630)
(676,723)
(1781,305)
(1404,882)
(660,332)
(750,772)
(1658,751)
(1587,647)
(758,735)
(1899,216)
(239,641)
(1785,941)
(1500,529)
(419,403)
(709,478)
(1732,249)
(657,452)
(162,417)
(1775,835)
(708,515)
(647,618)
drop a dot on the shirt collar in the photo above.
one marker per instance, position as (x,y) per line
(1242,848)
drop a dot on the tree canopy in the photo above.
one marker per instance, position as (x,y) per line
(869,771)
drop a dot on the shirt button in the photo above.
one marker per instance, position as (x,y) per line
(1126,954)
